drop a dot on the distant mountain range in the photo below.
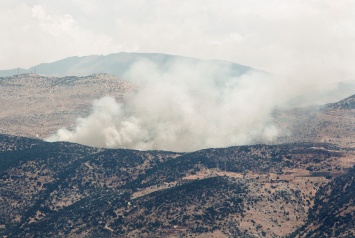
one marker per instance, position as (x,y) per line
(118,64)
(115,64)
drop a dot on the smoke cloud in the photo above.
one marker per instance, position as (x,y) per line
(185,106)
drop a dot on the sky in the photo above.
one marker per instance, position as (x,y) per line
(308,37)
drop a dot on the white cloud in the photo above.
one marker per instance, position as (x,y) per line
(35,35)
(57,25)
(38,12)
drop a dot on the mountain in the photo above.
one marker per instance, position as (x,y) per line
(333,122)
(63,189)
(345,104)
(117,64)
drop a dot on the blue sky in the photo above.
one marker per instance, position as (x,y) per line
(280,36)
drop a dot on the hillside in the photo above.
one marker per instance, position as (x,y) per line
(37,106)
(64,189)
(345,104)
(334,122)
(333,212)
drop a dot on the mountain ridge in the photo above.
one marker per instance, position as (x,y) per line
(116,64)
(64,189)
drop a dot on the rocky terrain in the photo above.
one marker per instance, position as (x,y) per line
(63,189)
(333,212)
(37,106)
(334,122)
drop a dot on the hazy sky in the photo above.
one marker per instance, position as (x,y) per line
(281,36)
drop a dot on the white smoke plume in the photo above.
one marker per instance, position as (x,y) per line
(185,106)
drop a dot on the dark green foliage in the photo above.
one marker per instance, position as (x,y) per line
(333,211)
(98,185)
(213,200)
(236,159)
(92,211)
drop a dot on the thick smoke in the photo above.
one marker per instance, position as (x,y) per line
(185,106)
